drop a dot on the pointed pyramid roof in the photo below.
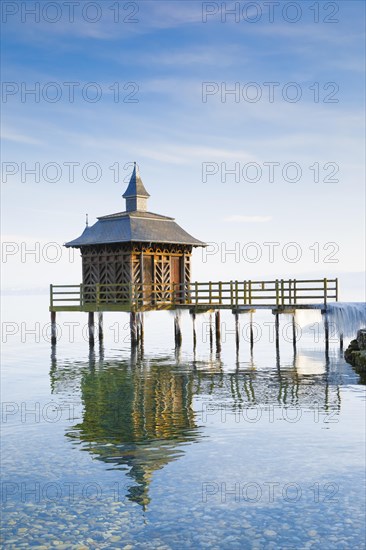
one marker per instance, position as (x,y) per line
(135,188)
(135,224)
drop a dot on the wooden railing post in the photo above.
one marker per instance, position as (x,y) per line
(220,292)
(98,293)
(282,292)
(231,294)
(236,293)
(295,291)
(51,295)
(245,293)
(289,291)
(210,292)
(277,293)
(182,293)
(325,290)
(250,292)
(81,294)
(196,291)
(336,289)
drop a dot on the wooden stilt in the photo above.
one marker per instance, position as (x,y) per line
(142,329)
(277,336)
(326,332)
(133,329)
(251,332)
(194,331)
(218,331)
(53,328)
(341,341)
(91,328)
(237,339)
(138,328)
(100,327)
(211,332)
(177,331)
(294,333)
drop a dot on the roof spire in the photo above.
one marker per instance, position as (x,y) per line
(136,195)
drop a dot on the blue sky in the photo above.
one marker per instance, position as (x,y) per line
(167,55)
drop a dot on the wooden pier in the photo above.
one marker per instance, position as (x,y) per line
(137,261)
(238,296)
(280,295)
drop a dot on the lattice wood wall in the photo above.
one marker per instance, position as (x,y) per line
(122,263)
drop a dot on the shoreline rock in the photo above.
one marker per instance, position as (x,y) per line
(355,354)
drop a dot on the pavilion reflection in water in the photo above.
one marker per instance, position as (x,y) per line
(137,414)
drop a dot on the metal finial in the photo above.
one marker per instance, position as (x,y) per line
(86,220)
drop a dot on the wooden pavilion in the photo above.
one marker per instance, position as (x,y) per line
(135,247)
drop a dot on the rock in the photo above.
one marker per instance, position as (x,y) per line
(361,339)
(355,354)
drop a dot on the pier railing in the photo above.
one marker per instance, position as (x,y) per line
(220,295)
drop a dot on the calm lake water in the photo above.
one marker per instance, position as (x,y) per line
(160,449)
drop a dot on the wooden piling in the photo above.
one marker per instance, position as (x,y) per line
(211,332)
(100,327)
(251,336)
(277,333)
(194,330)
(294,335)
(138,328)
(237,338)
(218,331)
(177,331)
(53,328)
(91,328)
(341,341)
(326,333)
(133,329)
(142,333)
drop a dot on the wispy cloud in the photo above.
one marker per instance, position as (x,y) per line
(248,219)
(9,135)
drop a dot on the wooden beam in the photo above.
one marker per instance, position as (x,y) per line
(53,328)
(100,326)
(218,331)
(91,328)
(211,330)
(133,329)
(177,331)
(237,335)
(193,315)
